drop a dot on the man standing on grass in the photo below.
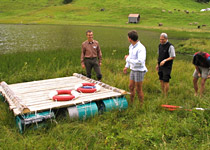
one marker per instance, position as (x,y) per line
(136,61)
(91,55)
(166,54)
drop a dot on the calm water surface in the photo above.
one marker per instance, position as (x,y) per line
(15,38)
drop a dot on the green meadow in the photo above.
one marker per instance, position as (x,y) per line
(149,127)
(88,12)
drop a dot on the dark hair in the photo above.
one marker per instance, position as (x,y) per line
(133,35)
(88,31)
(200,60)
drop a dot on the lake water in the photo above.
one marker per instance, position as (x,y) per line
(15,38)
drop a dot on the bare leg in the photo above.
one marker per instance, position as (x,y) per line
(132,91)
(195,84)
(162,86)
(140,93)
(166,88)
(202,86)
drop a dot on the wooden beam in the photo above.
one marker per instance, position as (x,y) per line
(123,92)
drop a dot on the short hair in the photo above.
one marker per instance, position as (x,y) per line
(164,35)
(88,31)
(133,35)
(200,60)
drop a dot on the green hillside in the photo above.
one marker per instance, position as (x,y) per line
(88,12)
(137,128)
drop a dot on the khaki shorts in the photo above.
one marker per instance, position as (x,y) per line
(204,72)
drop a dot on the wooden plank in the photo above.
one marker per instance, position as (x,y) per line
(34,95)
(101,84)
(46,86)
(46,100)
(40,96)
(10,102)
(28,84)
(12,97)
(67,104)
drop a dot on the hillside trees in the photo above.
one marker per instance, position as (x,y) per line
(67,1)
(200,1)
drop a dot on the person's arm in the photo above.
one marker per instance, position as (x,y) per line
(99,53)
(82,56)
(141,58)
(126,65)
(198,70)
(172,55)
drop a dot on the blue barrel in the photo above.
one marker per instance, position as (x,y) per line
(2,97)
(27,119)
(83,111)
(119,103)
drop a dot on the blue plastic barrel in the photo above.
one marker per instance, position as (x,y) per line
(2,97)
(83,111)
(119,103)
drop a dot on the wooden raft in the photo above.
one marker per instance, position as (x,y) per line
(33,96)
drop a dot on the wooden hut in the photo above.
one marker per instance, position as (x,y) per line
(133,18)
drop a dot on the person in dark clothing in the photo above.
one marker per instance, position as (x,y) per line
(166,55)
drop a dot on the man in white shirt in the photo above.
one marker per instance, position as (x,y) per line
(136,61)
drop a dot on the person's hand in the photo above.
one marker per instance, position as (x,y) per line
(125,70)
(126,57)
(83,66)
(100,64)
(157,67)
(162,62)
(199,74)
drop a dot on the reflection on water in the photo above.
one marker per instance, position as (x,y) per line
(15,38)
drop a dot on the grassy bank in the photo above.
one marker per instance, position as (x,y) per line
(149,127)
(88,12)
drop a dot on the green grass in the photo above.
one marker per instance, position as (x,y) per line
(87,12)
(193,45)
(149,127)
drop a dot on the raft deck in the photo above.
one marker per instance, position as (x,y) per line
(30,97)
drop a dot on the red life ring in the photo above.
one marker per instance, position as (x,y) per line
(55,95)
(93,87)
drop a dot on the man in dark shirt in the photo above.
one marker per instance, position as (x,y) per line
(165,61)
(91,55)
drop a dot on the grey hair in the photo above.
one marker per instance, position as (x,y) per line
(164,35)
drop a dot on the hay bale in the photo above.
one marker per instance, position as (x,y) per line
(160,24)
